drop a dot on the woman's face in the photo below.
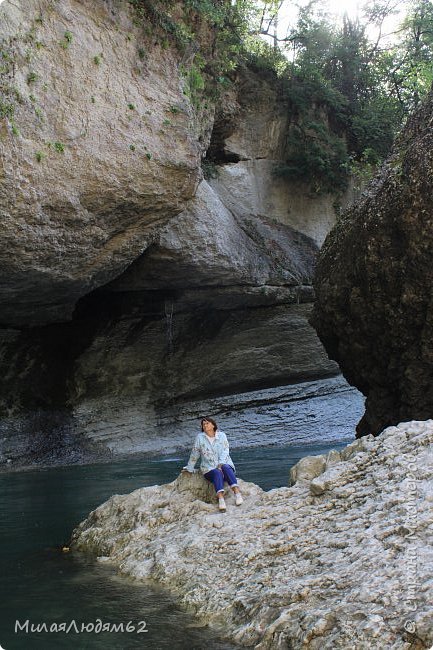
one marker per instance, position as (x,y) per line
(208,427)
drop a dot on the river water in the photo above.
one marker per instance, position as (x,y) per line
(39,509)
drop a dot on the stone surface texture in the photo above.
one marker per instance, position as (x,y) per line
(374,285)
(250,187)
(78,217)
(122,404)
(249,137)
(341,559)
(207,246)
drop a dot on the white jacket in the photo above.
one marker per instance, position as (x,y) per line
(212,454)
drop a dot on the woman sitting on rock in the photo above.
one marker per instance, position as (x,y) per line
(216,464)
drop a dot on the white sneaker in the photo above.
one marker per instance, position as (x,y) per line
(239,499)
(221,504)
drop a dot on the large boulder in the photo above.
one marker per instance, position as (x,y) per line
(374,301)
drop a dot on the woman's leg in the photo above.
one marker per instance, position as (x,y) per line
(230,477)
(216,477)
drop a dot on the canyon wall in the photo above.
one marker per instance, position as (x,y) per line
(129,281)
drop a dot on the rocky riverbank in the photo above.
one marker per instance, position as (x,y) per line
(340,559)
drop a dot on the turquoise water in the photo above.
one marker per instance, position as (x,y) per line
(38,511)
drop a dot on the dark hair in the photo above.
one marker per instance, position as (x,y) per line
(211,420)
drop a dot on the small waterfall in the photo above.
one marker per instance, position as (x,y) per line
(169,307)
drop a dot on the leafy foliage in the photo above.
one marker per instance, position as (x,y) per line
(318,155)
(347,95)
(184,24)
(411,63)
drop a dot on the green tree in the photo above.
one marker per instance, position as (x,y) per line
(342,113)
(412,73)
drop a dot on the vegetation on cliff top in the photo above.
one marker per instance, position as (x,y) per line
(348,92)
(349,88)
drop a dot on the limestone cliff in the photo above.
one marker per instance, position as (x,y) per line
(374,285)
(123,269)
(94,157)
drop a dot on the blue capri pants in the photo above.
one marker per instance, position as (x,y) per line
(218,476)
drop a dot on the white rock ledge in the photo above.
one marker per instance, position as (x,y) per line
(342,559)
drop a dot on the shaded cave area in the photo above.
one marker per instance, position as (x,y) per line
(130,355)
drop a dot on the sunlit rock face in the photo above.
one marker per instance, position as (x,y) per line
(248,143)
(97,159)
(340,559)
(208,246)
(374,285)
